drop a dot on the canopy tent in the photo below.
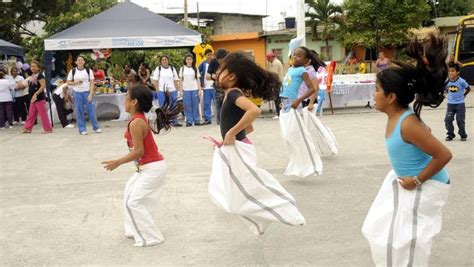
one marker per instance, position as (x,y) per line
(125,25)
(9,49)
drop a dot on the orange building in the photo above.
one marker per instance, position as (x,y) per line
(248,42)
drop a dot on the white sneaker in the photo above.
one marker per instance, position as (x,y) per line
(98,131)
(276,117)
(10,126)
(69,126)
(83,133)
(22,123)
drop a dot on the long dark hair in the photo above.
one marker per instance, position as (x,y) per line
(193,65)
(250,76)
(164,115)
(424,82)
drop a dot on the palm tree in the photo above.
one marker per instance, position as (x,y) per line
(325,16)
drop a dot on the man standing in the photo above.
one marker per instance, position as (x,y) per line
(212,75)
(274,65)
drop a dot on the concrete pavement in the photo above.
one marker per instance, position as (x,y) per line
(59,207)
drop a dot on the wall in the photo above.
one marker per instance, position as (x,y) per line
(226,24)
(274,42)
(256,45)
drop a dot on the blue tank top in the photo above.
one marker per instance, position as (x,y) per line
(408,159)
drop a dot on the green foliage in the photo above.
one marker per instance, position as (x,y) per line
(323,20)
(448,8)
(80,10)
(15,15)
(389,19)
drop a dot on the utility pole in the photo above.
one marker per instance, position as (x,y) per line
(186,13)
(197,11)
(300,21)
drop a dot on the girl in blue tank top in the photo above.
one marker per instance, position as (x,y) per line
(415,154)
(406,213)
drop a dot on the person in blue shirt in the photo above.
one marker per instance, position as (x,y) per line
(418,185)
(457,89)
(296,75)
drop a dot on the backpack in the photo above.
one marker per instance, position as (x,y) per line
(172,70)
(87,70)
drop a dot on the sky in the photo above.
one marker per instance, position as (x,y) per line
(275,9)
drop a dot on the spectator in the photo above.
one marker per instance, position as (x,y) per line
(209,93)
(63,101)
(37,86)
(22,101)
(382,62)
(6,100)
(212,75)
(144,73)
(81,80)
(274,65)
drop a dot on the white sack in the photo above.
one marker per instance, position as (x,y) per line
(401,224)
(323,138)
(239,187)
(304,159)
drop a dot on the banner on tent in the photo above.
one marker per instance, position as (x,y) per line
(121,42)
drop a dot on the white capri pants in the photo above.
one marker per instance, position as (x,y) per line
(141,197)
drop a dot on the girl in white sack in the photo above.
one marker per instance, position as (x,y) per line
(406,214)
(143,189)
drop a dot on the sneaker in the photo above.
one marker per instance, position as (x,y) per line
(83,133)
(207,122)
(463,138)
(22,123)
(448,138)
(188,125)
(275,117)
(10,126)
(69,126)
(98,131)
(198,124)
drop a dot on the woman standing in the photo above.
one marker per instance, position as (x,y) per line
(20,106)
(81,80)
(191,90)
(37,86)
(6,101)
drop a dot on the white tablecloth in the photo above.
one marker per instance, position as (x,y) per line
(108,105)
(111,103)
(352,89)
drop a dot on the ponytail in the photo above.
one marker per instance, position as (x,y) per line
(425,82)
(250,76)
(166,114)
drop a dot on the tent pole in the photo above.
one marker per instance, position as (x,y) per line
(47,71)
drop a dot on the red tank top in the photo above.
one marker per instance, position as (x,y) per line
(151,150)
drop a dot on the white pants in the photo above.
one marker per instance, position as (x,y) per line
(141,197)
(401,224)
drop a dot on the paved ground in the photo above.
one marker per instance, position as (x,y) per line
(59,207)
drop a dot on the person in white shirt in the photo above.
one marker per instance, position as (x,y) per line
(81,80)
(165,79)
(191,86)
(22,101)
(6,100)
(63,101)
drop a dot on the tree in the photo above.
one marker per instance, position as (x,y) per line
(324,15)
(16,14)
(380,23)
(447,8)
(78,12)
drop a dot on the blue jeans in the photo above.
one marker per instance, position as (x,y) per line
(80,100)
(209,95)
(191,107)
(286,105)
(458,110)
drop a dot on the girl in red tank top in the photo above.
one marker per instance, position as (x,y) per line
(143,188)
